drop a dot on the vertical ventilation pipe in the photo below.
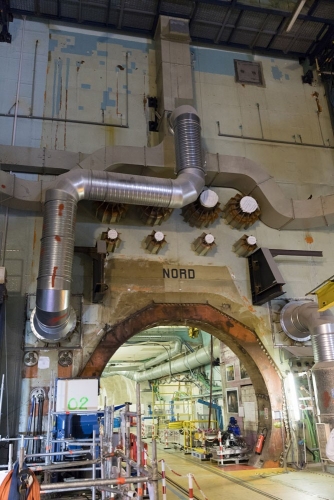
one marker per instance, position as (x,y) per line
(53,319)
(299,319)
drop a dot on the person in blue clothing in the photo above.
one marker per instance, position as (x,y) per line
(233,426)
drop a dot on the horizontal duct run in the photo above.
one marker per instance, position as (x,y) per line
(236,172)
(188,362)
(53,319)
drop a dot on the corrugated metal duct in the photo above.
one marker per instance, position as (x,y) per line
(53,318)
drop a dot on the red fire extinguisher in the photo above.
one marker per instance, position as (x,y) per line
(260,441)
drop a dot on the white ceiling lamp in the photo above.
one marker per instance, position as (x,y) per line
(295,14)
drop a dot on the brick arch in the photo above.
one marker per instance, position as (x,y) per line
(238,337)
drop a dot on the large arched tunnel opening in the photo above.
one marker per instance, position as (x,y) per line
(238,337)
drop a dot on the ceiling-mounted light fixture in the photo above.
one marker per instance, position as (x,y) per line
(295,14)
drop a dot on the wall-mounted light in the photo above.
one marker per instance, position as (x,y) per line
(295,14)
(294,396)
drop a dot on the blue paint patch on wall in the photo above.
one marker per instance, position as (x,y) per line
(85,86)
(52,44)
(102,53)
(133,65)
(86,44)
(102,63)
(286,76)
(216,61)
(276,72)
(81,108)
(106,100)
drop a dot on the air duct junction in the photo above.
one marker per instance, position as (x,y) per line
(53,319)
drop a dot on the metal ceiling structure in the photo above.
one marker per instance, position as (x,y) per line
(257,25)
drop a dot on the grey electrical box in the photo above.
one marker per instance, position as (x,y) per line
(249,72)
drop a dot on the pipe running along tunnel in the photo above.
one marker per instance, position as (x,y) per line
(238,337)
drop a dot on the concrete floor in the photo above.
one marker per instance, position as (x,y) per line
(243,483)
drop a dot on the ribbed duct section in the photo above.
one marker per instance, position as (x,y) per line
(52,320)
(53,317)
(300,319)
(187,132)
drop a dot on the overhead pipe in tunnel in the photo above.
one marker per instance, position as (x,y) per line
(196,359)
(299,320)
(53,318)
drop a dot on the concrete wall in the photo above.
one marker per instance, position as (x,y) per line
(79,76)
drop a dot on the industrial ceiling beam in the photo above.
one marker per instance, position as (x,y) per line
(279,31)
(156,18)
(120,17)
(80,12)
(223,26)
(108,12)
(286,51)
(254,42)
(235,27)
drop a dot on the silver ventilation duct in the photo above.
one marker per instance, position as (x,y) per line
(301,319)
(168,353)
(53,318)
(191,361)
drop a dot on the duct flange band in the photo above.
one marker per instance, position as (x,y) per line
(291,324)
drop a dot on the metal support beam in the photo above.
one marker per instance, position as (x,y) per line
(156,19)
(293,39)
(313,7)
(254,42)
(279,31)
(225,21)
(108,12)
(295,253)
(120,17)
(235,26)
(80,12)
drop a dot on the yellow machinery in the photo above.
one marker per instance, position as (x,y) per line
(324,293)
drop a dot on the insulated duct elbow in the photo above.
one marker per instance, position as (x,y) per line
(53,318)
(300,320)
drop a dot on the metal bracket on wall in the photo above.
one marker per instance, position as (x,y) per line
(265,277)
(98,255)
(153,124)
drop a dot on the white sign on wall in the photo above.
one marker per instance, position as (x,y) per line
(77,395)
(249,409)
